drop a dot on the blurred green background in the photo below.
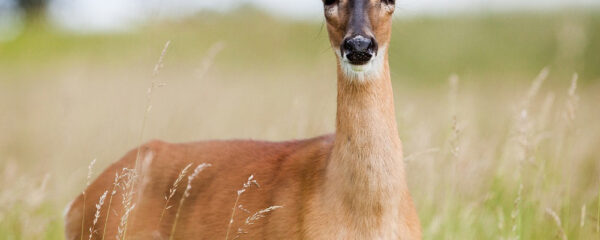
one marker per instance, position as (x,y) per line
(424,50)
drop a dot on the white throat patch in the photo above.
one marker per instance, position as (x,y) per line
(362,73)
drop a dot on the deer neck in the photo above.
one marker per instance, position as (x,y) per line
(365,172)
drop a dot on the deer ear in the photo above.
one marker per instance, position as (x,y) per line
(329,2)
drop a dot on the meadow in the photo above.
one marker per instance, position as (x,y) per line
(498,113)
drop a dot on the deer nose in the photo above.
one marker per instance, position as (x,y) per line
(358,49)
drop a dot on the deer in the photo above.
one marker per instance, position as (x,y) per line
(350,184)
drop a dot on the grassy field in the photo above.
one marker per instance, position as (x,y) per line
(500,140)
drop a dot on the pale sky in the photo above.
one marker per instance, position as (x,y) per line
(115,15)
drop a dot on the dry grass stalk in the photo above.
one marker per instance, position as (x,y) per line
(535,87)
(523,119)
(90,172)
(414,156)
(558,223)
(97,214)
(209,59)
(544,116)
(89,177)
(515,215)
(173,190)
(255,217)
(144,177)
(186,194)
(246,185)
(36,195)
(453,100)
(453,94)
(568,114)
(112,193)
(133,177)
(455,139)
(129,176)
(500,213)
(523,128)
(159,65)
(572,100)
(130,189)
(583,213)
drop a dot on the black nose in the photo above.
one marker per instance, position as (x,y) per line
(358,49)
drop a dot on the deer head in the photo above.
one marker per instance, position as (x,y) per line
(359,32)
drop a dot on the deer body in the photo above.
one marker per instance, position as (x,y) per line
(348,185)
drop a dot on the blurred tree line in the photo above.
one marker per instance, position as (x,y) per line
(32,7)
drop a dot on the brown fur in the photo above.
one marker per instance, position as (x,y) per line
(348,185)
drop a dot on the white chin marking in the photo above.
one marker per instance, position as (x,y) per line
(361,68)
(362,73)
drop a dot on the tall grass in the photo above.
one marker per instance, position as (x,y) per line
(87,184)
(251,181)
(172,191)
(97,214)
(186,194)
(110,200)
(251,219)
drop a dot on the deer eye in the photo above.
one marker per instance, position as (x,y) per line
(391,2)
(329,2)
